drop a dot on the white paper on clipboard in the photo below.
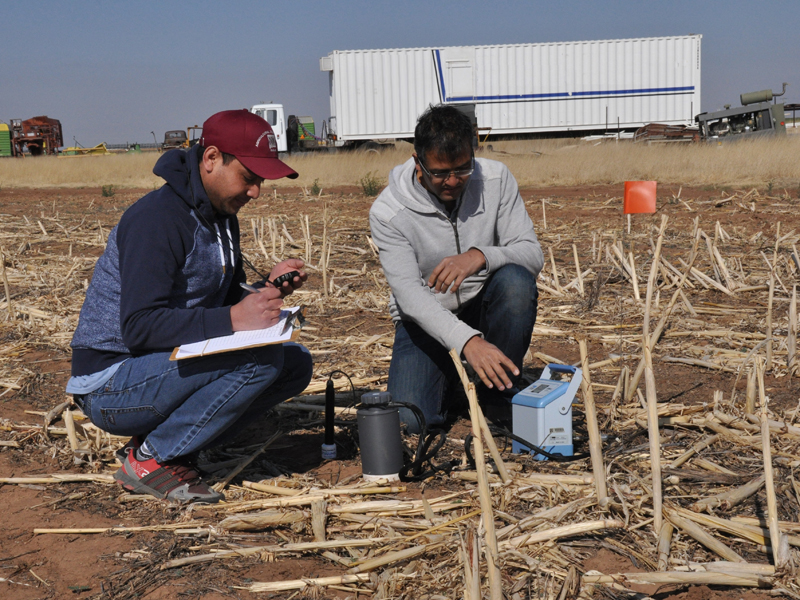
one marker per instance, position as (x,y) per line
(283,331)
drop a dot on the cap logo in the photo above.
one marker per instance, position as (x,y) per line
(250,139)
(258,141)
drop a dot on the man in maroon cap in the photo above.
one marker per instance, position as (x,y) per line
(171,274)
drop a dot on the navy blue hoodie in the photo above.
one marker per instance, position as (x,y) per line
(169,273)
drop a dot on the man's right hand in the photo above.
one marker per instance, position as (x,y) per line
(489,362)
(453,270)
(257,310)
(287,266)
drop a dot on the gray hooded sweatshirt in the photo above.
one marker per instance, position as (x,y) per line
(414,233)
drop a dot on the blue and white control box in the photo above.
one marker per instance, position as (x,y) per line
(542,412)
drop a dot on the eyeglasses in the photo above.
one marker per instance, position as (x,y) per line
(445,175)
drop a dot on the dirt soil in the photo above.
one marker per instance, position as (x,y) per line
(125,565)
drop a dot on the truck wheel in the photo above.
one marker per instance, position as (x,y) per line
(370,147)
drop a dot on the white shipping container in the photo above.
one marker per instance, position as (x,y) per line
(519,88)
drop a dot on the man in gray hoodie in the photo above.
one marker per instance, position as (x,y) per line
(461,256)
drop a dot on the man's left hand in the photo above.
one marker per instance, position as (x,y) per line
(453,270)
(287,266)
(489,362)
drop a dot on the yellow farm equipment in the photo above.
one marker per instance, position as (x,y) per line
(98,150)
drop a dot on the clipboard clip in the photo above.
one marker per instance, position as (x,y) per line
(295,321)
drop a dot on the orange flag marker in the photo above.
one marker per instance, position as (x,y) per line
(640,197)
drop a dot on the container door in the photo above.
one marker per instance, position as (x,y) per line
(458,70)
(281,137)
(278,126)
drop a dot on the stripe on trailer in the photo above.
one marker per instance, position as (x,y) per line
(575,95)
(573,98)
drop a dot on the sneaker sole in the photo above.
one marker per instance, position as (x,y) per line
(137,487)
(134,485)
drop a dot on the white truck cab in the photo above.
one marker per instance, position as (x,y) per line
(273,114)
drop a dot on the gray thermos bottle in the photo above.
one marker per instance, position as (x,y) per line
(379,437)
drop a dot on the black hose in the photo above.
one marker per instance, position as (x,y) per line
(428,445)
(533,447)
(352,387)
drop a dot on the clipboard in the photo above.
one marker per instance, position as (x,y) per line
(287,329)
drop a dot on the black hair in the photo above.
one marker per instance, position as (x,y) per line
(443,130)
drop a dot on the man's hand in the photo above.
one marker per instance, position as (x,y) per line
(257,310)
(455,269)
(286,266)
(489,363)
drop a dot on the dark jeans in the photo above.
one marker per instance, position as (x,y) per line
(188,405)
(421,371)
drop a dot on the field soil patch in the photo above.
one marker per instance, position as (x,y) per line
(715,334)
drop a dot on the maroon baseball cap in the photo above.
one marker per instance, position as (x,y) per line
(250,139)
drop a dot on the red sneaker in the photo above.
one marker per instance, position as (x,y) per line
(131,444)
(174,481)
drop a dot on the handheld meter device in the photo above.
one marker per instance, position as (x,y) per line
(542,412)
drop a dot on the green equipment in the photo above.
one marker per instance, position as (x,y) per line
(5,140)
(756,118)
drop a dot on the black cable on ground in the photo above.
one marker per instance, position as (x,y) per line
(352,387)
(431,441)
(495,430)
(428,445)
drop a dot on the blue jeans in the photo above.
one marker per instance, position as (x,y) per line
(422,372)
(185,406)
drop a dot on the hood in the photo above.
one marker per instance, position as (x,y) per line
(407,189)
(180,169)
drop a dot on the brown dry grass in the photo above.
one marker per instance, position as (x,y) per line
(120,170)
(740,164)
(538,163)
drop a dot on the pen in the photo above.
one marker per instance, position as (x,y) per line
(249,288)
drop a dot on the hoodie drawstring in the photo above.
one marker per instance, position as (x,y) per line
(230,244)
(230,240)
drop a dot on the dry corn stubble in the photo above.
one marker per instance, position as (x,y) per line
(46,286)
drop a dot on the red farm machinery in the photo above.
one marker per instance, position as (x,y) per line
(35,137)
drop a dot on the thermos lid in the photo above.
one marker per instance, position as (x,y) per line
(376,398)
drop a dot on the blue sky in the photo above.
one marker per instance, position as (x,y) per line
(115,71)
